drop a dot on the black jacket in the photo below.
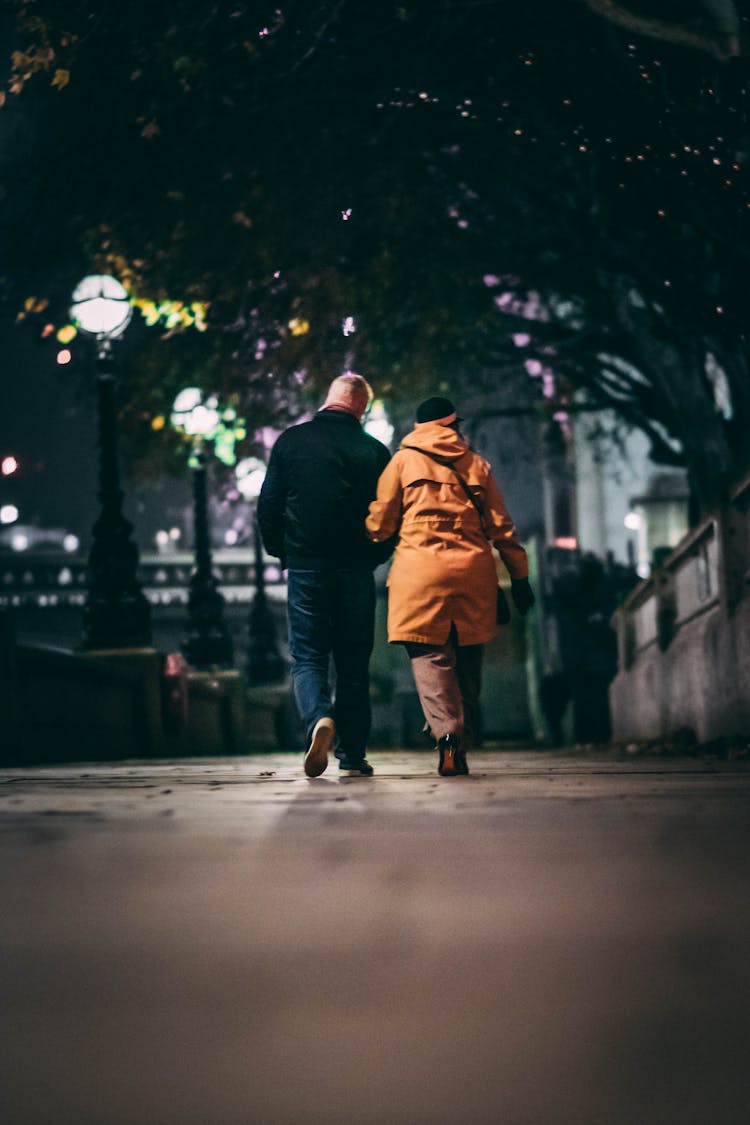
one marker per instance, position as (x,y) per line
(321,478)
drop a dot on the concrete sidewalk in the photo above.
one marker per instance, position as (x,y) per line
(555,940)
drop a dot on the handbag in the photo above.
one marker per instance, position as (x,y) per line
(502,613)
(502,609)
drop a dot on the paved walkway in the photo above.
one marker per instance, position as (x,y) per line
(555,940)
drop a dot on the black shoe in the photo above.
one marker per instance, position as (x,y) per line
(462,766)
(355,769)
(449,751)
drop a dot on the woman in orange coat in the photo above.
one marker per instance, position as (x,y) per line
(443,582)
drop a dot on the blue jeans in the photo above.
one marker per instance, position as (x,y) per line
(332,614)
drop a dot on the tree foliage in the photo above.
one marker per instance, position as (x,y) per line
(454,177)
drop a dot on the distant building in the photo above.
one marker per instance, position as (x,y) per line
(625,504)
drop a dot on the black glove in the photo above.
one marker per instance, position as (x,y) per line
(523,595)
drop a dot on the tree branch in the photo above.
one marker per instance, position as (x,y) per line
(723,44)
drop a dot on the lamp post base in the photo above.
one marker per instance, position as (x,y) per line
(123,621)
(265,664)
(208,642)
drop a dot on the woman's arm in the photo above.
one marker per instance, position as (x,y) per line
(384,517)
(502,532)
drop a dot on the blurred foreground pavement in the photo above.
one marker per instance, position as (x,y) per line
(556,940)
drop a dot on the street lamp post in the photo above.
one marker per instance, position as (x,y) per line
(265,664)
(208,642)
(117,613)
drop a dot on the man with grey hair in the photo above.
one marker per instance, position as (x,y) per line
(321,478)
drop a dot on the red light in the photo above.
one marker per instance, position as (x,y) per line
(8,465)
(567,542)
(64,356)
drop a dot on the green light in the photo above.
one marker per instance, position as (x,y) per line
(201,418)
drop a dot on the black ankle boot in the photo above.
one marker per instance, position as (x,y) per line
(448,748)
(462,766)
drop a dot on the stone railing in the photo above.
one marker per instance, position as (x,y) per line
(45,578)
(59,705)
(62,704)
(684,635)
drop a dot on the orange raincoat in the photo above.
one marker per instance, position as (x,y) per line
(443,571)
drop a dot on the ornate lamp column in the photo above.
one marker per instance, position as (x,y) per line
(208,642)
(117,613)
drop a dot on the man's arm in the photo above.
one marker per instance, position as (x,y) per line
(272,504)
(503,534)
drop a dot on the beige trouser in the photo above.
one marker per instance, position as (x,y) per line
(448,679)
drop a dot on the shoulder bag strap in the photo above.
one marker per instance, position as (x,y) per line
(461,479)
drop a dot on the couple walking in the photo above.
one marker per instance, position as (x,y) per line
(333,506)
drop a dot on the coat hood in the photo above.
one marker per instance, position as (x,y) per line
(443,441)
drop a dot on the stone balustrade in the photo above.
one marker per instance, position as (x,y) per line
(684,635)
(46,578)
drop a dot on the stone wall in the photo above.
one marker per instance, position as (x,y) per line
(684,636)
(59,705)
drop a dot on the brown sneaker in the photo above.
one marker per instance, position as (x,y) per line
(321,744)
